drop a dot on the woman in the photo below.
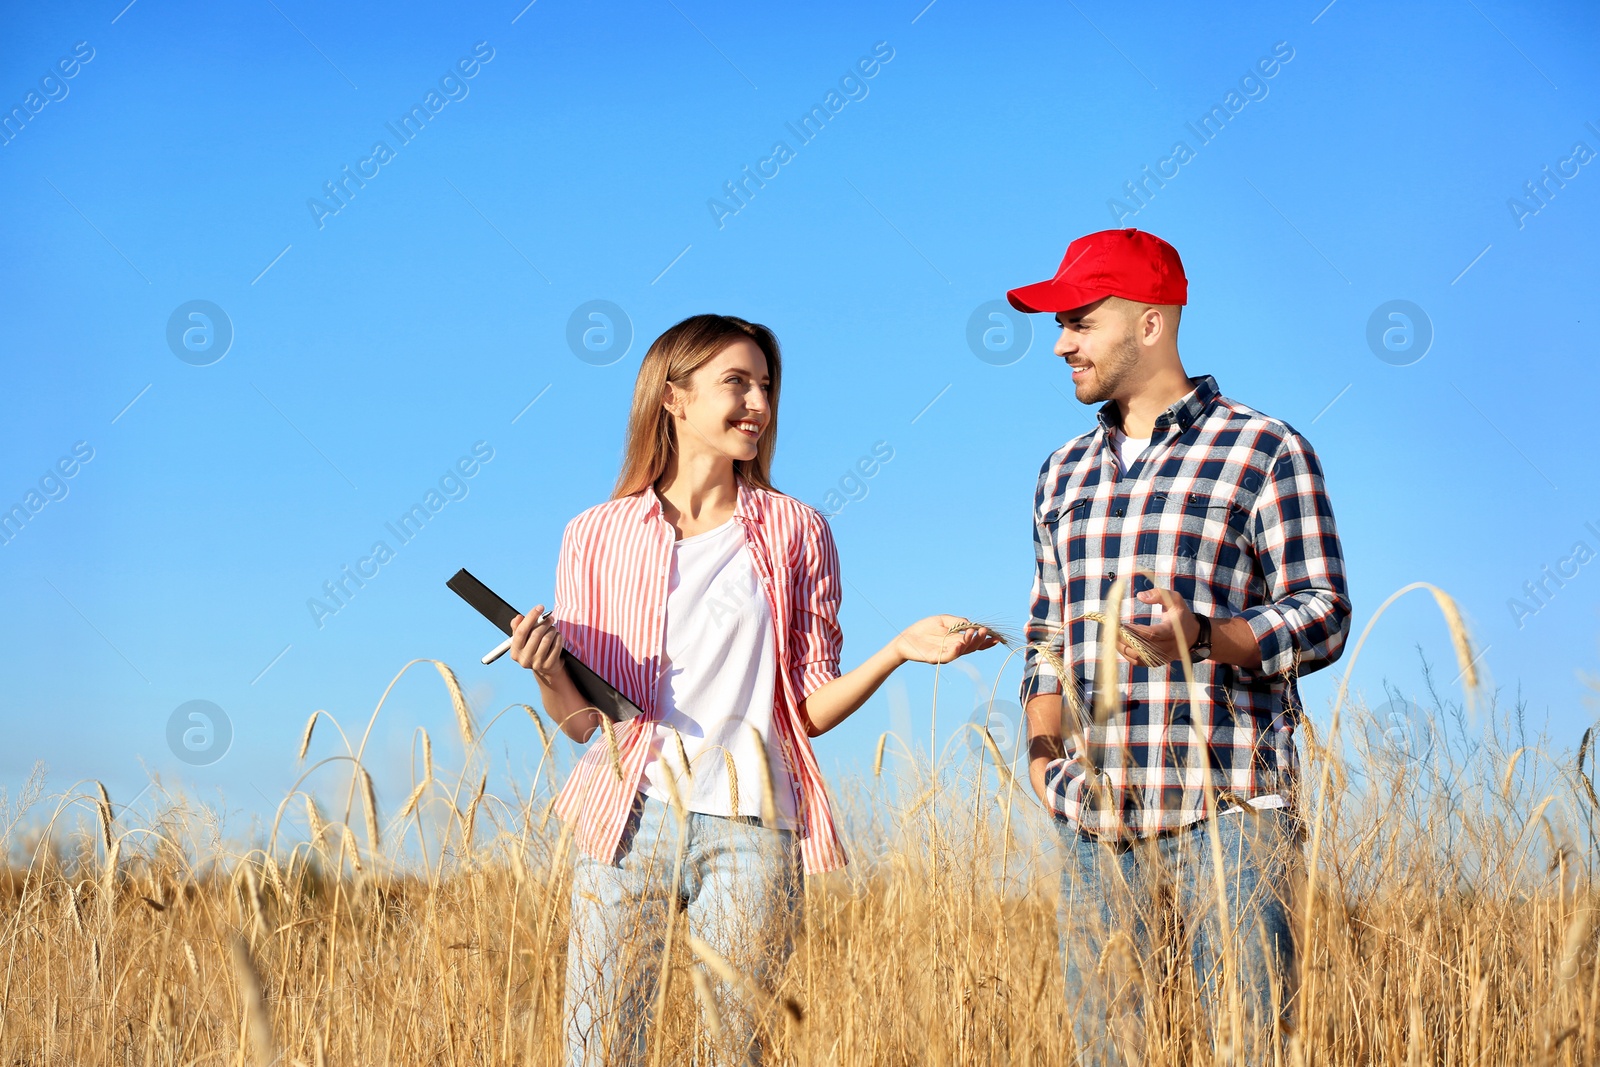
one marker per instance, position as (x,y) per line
(711,600)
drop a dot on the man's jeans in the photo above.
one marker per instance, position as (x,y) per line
(1119,903)
(741,886)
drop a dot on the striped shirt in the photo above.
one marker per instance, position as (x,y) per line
(610,608)
(1227,507)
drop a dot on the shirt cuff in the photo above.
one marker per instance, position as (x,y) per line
(1273,638)
(816,674)
(1039,681)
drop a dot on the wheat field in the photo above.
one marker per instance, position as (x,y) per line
(1449,915)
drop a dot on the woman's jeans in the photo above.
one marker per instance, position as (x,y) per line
(741,887)
(1122,905)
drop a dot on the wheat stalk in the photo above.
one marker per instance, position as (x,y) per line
(1459,637)
(104,811)
(708,1003)
(1443,935)
(252,892)
(108,881)
(1002,636)
(1575,940)
(737,978)
(414,798)
(1511,769)
(611,744)
(994,753)
(1148,654)
(314,822)
(769,799)
(1071,695)
(733,782)
(472,813)
(74,908)
(305,736)
(683,755)
(348,840)
(369,809)
(1588,783)
(254,1003)
(458,701)
(538,724)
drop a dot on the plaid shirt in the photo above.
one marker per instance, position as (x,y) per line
(611,607)
(1227,507)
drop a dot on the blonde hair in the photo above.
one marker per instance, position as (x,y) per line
(674,357)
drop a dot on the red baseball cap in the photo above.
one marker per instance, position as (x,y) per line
(1128,263)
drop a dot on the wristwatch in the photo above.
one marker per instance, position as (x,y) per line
(1201,649)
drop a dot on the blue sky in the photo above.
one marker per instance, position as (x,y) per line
(375,346)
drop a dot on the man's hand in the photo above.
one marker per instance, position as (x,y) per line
(1177,623)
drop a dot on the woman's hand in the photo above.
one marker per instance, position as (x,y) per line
(931,640)
(536,644)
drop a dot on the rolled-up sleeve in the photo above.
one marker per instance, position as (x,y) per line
(815,640)
(1306,619)
(1066,783)
(1044,615)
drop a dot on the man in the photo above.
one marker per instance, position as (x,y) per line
(1216,517)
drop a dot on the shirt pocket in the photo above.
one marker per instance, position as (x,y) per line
(1212,533)
(1068,527)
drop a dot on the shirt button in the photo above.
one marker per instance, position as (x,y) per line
(1119,513)
(1111,576)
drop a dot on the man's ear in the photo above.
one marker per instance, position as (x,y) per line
(1148,327)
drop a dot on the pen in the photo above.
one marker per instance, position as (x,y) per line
(505,646)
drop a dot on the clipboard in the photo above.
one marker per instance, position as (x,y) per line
(606,698)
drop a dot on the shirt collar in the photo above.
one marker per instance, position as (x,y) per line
(1183,414)
(750,507)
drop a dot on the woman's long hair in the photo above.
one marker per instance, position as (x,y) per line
(673,357)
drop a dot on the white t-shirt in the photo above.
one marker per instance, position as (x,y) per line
(718,672)
(1128,449)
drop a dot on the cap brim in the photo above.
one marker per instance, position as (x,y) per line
(1052,295)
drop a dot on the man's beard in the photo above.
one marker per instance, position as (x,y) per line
(1110,373)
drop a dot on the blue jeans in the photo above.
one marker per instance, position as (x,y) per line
(741,887)
(1120,903)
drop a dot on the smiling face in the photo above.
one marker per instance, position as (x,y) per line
(1101,346)
(726,407)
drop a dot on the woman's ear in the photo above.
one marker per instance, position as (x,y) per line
(675,398)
